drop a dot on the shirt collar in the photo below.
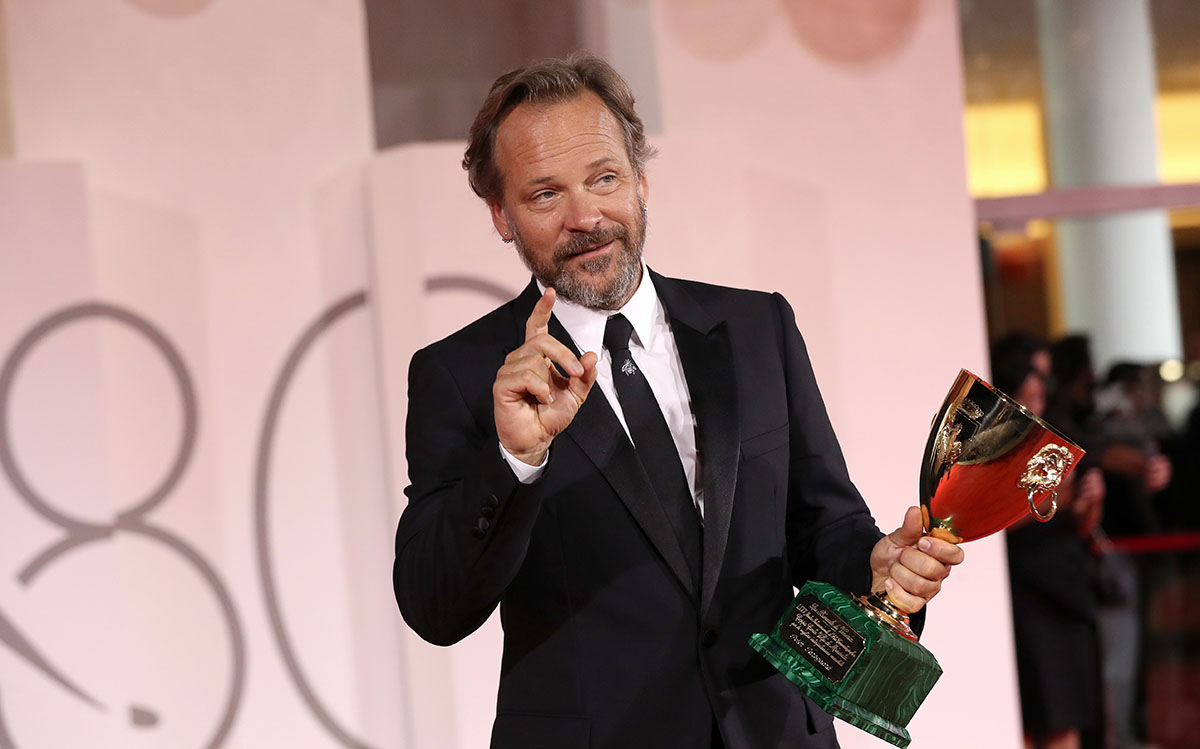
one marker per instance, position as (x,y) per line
(586,325)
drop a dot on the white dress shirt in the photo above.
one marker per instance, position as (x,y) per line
(653,347)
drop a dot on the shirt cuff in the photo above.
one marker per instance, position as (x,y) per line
(524,472)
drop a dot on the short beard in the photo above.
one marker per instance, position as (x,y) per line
(572,283)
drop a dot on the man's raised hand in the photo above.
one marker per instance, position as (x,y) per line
(532,402)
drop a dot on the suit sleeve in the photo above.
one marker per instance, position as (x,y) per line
(464,534)
(830,530)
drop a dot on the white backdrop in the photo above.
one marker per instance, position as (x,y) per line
(210,287)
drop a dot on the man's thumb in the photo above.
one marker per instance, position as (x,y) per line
(911,530)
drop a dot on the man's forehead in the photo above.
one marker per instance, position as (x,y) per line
(585,100)
(538,130)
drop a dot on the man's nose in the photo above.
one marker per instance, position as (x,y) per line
(583,212)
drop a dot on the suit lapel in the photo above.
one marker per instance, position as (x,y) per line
(707,358)
(597,432)
(599,435)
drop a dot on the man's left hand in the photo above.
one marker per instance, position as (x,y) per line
(910,566)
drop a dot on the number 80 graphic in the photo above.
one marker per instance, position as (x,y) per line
(80,534)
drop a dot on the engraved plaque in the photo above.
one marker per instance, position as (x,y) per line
(822,638)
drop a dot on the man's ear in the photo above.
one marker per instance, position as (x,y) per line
(500,219)
(643,186)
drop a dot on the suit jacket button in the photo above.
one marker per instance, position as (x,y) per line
(492,501)
(708,637)
(486,511)
(481,528)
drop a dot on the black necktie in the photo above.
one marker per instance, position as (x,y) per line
(652,438)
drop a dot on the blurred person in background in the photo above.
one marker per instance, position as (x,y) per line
(1121,439)
(1131,424)
(1185,452)
(1132,427)
(1054,606)
(1187,479)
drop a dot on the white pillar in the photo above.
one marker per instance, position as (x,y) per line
(1118,271)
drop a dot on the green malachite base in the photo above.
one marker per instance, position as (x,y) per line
(860,671)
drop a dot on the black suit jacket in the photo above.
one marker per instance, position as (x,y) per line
(606,643)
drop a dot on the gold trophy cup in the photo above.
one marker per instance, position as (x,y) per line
(988,463)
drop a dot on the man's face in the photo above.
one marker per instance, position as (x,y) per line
(572,203)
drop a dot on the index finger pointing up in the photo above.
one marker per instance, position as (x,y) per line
(539,320)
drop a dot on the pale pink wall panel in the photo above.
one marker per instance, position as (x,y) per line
(224,145)
(438,265)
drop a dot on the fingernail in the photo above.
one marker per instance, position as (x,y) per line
(924,544)
(889,584)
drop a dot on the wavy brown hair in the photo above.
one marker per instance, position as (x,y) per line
(549,81)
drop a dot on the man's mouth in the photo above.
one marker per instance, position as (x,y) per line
(594,251)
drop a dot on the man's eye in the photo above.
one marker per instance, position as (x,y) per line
(543,196)
(607,179)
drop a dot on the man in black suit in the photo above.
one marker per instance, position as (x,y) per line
(637,469)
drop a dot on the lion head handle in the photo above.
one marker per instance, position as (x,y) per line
(1043,473)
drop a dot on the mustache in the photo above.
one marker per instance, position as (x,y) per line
(585,241)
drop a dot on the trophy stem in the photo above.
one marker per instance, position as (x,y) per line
(881,609)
